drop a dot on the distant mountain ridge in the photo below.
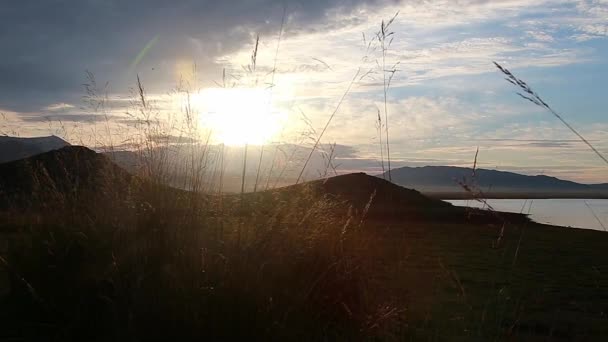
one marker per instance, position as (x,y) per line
(15,148)
(445,181)
(435,181)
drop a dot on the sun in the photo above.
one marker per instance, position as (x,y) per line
(239,116)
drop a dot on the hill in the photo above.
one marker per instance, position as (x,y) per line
(378,199)
(73,174)
(77,176)
(445,182)
(14,148)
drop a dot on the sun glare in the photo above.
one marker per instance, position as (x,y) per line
(239,116)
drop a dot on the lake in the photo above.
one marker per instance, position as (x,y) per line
(577,213)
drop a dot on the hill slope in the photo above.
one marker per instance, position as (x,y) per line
(76,178)
(72,174)
(446,179)
(14,148)
(379,199)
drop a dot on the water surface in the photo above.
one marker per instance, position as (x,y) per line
(577,213)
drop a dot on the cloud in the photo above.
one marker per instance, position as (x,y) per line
(46,56)
(47,46)
(554,143)
(59,107)
(85,118)
(432,40)
(541,36)
(593,23)
(171,139)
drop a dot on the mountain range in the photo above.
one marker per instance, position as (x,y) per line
(446,182)
(14,148)
(460,182)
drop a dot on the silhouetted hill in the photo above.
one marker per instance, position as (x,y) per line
(603,186)
(71,174)
(359,188)
(447,179)
(14,148)
(76,177)
(381,200)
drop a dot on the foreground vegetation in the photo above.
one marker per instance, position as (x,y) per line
(352,258)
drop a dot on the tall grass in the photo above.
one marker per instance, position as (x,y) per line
(383,35)
(379,128)
(329,120)
(269,108)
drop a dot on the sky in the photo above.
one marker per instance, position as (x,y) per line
(446,98)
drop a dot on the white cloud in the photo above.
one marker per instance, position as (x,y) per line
(56,107)
(593,21)
(541,36)
(327,56)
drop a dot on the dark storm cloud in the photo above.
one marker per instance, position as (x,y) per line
(47,45)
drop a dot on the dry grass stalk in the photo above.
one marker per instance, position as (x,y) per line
(533,97)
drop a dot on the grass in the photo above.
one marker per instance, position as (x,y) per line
(530,95)
(146,262)
(169,269)
(268,268)
(382,35)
